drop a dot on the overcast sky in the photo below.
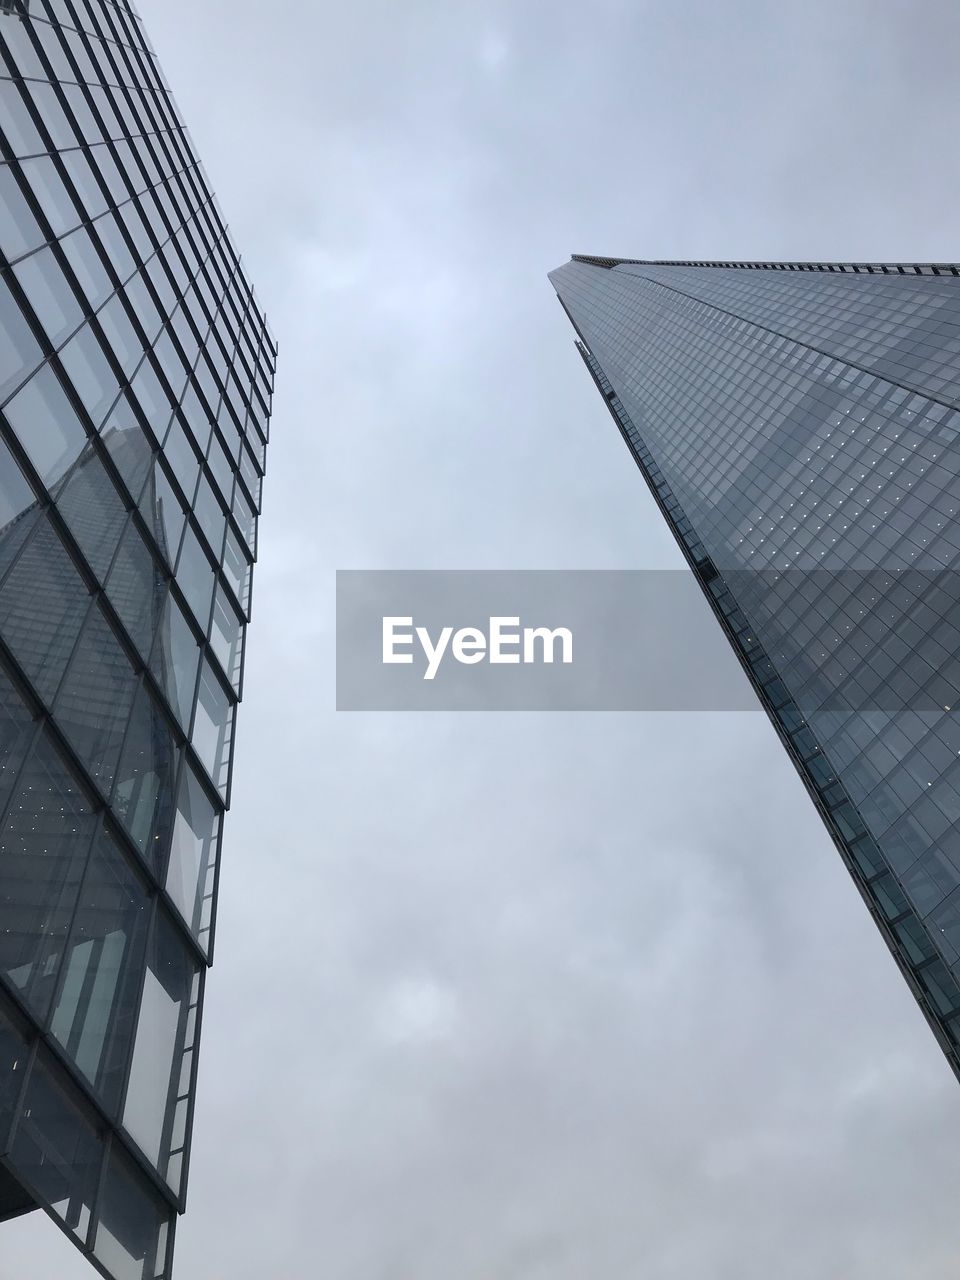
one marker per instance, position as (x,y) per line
(535,997)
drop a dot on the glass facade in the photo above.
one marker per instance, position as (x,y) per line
(799,427)
(136,374)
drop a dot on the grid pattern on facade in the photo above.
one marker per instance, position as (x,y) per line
(136,373)
(824,495)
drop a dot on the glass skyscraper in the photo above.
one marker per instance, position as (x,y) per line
(799,426)
(136,373)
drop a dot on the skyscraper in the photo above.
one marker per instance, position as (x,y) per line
(136,373)
(799,426)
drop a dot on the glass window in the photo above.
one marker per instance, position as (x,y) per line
(226,637)
(43,602)
(145,309)
(196,578)
(196,418)
(210,515)
(16,730)
(19,350)
(153,398)
(51,194)
(116,246)
(90,372)
(133,1231)
(94,702)
(191,869)
(94,512)
(220,468)
(18,126)
(213,727)
(144,795)
(237,568)
(56,1149)
(164,1034)
(136,588)
(92,199)
(14,1056)
(43,852)
(176,656)
(53,301)
(96,1005)
(87,266)
(129,448)
(183,461)
(163,512)
(120,334)
(47,426)
(18,509)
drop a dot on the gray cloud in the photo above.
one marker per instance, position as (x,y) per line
(540,997)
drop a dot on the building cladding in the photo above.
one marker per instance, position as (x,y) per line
(799,426)
(136,374)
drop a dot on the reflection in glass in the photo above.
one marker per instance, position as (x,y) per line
(176,656)
(164,1034)
(19,230)
(196,578)
(144,794)
(132,1233)
(47,426)
(43,851)
(89,370)
(94,1010)
(43,602)
(94,702)
(212,726)
(56,1149)
(136,588)
(226,637)
(19,350)
(193,850)
(93,511)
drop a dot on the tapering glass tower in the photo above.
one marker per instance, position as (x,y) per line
(136,373)
(798,425)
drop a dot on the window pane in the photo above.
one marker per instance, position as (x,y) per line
(144,794)
(193,851)
(18,509)
(163,513)
(43,602)
(94,512)
(226,637)
(89,370)
(51,194)
(19,350)
(134,1224)
(56,1149)
(87,266)
(43,851)
(19,230)
(176,656)
(161,1041)
(129,448)
(213,725)
(94,703)
(136,588)
(195,576)
(16,730)
(13,1063)
(95,1008)
(47,426)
